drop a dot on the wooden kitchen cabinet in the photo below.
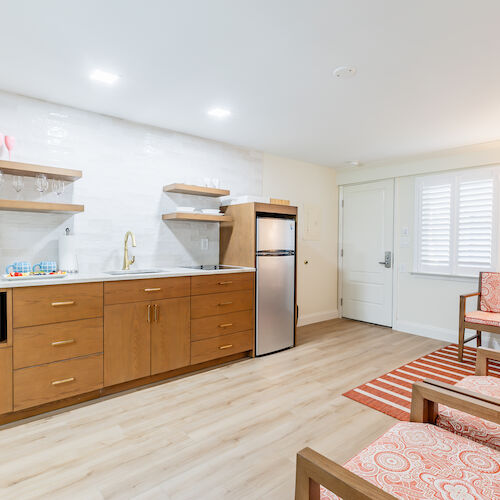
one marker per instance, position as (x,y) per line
(5,380)
(127,342)
(170,334)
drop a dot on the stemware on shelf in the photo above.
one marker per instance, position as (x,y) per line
(58,186)
(18,183)
(41,183)
(9,144)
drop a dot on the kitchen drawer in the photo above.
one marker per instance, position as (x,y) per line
(6,380)
(216,283)
(221,303)
(218,347)
(222,324)
(120,292)
(63,379)
(40,305)
(37,345)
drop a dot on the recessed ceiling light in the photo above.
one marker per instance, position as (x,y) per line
(353,163)
(344,72)
(219,112)
(103,76)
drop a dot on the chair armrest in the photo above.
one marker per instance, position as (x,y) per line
(482,356)
(314,469)
(466,296)
(426,395)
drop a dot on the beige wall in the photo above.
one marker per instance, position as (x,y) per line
(313,189)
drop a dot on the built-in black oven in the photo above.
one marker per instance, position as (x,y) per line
(3,316)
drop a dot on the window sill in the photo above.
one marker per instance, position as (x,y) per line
(439,276)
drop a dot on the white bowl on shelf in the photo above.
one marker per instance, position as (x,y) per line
(187,210)
(211,211)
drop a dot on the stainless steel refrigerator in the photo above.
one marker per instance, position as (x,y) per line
(275,301)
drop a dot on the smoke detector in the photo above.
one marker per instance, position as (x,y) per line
(353,163)
(344,72)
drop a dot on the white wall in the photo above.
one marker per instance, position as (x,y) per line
(125,166)
(313,189)
(425,305)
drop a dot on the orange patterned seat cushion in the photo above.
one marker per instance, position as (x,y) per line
(475,428)
(483,318)
(490,292)
(415,461)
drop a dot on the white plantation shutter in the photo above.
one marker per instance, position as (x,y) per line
(475,224)
(456,222)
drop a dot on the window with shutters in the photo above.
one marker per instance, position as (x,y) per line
(456,226)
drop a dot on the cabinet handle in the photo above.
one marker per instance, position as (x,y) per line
(152,289)
(225,325)
(149,313)
(225,303)
(63,381)
(225,282)
(63,342)
(68,303)
(157,312)
(227,346)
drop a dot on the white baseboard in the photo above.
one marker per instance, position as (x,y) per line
(429,331)
(307,319)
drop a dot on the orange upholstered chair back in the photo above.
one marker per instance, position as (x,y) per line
(489,287)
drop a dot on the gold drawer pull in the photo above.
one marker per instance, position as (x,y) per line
(225,325)
(63,342)
(149,313)
(152,289)
(225,346)
(225,303)
(63,381)
(225,282)
(68,303)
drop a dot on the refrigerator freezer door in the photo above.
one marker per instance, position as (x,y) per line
(274,233)
(275,303)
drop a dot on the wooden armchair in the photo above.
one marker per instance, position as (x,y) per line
(318,478)
(483,355)
(487,316)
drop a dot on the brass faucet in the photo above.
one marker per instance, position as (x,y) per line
(126,262)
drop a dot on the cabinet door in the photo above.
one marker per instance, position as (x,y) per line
(127,342)
(170,335)
(5,380)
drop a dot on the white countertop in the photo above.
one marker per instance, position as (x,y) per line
(89,278)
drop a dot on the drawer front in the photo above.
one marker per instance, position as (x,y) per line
(221,303)
(218,347)
(213,326)
(120,292)
(37,345)
(216,283)
(5,380)
(40,305)
(43,384)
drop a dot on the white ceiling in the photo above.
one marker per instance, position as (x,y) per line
(428,71)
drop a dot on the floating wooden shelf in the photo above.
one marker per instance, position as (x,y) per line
(39,206)
(196,190)
(197,217)
(32,170)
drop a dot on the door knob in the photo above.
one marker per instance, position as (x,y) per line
(387,262)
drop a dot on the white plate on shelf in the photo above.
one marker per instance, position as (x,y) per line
(185,210)
(7,277)
(211,211)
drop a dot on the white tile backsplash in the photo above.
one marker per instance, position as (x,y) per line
(125,166)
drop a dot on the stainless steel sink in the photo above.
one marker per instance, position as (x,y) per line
(135,271)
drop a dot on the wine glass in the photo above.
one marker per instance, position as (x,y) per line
(41,183)
(9,143)
(18,182)
(58,186)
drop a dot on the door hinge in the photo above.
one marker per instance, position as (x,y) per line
(341,252)
(341,302)
(342,203)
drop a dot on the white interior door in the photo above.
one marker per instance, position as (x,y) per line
(367,257)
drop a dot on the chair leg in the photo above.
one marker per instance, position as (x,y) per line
(461,338)
(478,340)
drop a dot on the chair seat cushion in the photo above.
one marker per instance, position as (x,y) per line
(462,423)
(415,461)
(483,318)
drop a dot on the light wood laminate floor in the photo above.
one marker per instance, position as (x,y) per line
(228,433)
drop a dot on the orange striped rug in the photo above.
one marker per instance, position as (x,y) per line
(391,393)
